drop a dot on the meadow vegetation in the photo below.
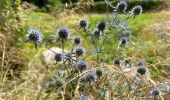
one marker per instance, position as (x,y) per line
(136,69)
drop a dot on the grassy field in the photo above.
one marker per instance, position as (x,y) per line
(145,45)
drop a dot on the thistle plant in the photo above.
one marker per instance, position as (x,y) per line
(93,76)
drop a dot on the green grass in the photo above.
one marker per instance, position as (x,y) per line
(48,25)
(145,40)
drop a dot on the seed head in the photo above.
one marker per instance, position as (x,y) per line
(101,26)
(81,65)
(77,40)
(63,33)
(79,51)
(136,11)
(34,35)
(121,6)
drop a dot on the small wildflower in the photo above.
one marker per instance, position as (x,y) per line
(35,36)
(83,23)
(101,26)
(137,10)
(63,33)
(79,51)
(58,57)
(77,40)
(121,6)
(81,65)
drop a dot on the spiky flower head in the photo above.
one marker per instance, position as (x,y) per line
(34,35)
(63,33)
(135,11)
(79,51)
(58,57)
(81,65)
(77,40)
(121,6)
(117,62)
(142,70)
(155,93)
(83,23)
(101,26)
(91,77)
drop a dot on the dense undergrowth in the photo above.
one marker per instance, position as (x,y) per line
(34,80)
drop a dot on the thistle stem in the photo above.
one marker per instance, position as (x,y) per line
(62,43)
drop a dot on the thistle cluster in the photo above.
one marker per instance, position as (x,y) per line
(96,76)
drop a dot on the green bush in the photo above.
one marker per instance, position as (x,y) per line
(100,6)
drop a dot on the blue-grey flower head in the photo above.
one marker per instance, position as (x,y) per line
(142,70)
(58,57)
(135,11)
(83,23)
(34,35)
(121,6)
(79,51)
(82,97)
(155,92)
(91,76)
(101,26)
(63,33)
(81,65)
(77,40)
